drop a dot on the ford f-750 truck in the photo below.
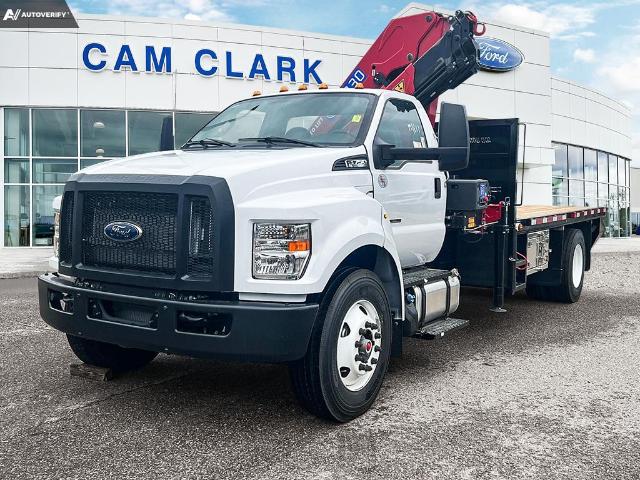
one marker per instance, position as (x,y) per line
(313,227)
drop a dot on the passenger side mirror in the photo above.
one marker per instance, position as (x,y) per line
(453,137)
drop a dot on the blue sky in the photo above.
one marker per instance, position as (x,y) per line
(596,43)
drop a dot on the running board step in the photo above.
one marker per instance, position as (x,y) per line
(437,328)
(422,275)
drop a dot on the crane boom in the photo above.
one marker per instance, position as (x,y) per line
(422,55)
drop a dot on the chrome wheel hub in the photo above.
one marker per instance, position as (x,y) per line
(359,345)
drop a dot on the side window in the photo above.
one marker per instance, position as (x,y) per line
(401,126)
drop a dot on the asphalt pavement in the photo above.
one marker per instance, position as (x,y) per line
(543,391)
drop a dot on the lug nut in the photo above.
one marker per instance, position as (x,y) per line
(360,358)
(365,368)
(371,326)
(358,344)
(377,335)
(376,348)
(362,331)
(374,361)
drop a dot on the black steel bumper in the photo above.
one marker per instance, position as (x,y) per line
(254,331)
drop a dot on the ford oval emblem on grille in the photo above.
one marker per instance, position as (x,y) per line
(123,231)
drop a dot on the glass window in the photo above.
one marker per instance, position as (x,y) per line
(576,201)
(338,119)
(622,171)
(576,167)
(576,188)
(603,190)
(43,196)
(84,163)
(16,170)
(590,165)
(613,169)
(188,124)
(590,189)
(628,184)
(590,202)
(400,125)
(16,216)
(55,133)
(560,186)
(102,133)
(560,164)
(146,130)
(603,167)
(561,201)
(16,132)
(52,170)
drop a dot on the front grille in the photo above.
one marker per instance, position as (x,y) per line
(200,262)
(66,228)
(155,213)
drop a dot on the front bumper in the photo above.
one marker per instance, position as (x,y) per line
(254,331)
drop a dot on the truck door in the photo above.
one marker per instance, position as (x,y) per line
(412,193)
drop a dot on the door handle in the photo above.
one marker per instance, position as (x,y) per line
(438,188)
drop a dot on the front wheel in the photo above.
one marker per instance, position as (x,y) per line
(342,372)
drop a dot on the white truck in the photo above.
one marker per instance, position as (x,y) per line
(316,228)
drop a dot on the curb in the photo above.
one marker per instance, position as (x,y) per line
(16,275)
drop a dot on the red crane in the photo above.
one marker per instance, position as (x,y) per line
(422,55)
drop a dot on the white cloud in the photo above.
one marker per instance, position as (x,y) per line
(207,10)
(558,19)
(585,55)
(624,77)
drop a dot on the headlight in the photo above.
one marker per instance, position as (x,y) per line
(281,251)
(56,233)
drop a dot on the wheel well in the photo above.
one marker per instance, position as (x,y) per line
(379,261)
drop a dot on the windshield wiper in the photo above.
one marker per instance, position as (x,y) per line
(272,140)
(208,142)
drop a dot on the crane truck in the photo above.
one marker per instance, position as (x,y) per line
(316,228)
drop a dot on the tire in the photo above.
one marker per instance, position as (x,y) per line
(567,291)
(107,355)
(343,392)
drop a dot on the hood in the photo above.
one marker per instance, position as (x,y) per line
(246,170)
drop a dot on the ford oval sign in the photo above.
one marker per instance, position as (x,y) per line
(498,55)
(123,231)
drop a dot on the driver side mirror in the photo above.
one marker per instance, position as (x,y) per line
(453,137)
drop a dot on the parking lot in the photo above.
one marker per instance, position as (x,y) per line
(543,391)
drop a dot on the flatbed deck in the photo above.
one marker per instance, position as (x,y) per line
(532,215)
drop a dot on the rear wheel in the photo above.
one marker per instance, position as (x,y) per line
(107,355)
(342,372)
(571,281)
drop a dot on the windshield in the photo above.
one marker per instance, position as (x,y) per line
(317,118)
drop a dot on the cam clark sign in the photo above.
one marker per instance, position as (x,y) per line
(205,61)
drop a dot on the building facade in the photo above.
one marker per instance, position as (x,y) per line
(120,86)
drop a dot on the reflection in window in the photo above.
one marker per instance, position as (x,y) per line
(603,191)
(560,186)
(16,170)
(53,170)
(55,133)
(613,169)
(561,201)
(16,216)
(576,167)
(84,163)
(43,213)
(590,190)
(188,124)
(146,131)
(16,132)
(590,165)
(102,133)
(576,188)
(560,164)
(622,171)
(603,167)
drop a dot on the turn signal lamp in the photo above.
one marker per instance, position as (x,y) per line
(323,86)
(359,86)
(257,93)
(284,88)
(303,87)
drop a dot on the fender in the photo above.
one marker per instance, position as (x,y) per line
(343,219)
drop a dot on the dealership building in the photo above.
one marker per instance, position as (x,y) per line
(117,86)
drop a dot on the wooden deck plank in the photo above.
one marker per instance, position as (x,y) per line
(525,212)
